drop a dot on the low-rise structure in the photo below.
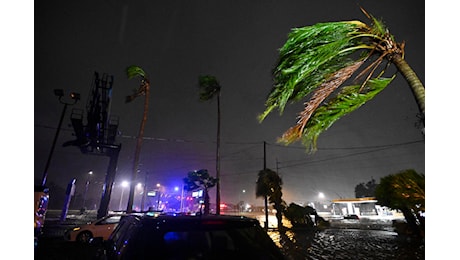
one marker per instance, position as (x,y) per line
(363,208)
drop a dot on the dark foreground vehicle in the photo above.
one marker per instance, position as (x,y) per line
(189,237)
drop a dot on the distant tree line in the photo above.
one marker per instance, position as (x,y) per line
(363,190)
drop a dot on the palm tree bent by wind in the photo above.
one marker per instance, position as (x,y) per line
(210,87)
(143,90)
(268,186)
(316,60)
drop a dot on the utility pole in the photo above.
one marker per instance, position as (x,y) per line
(86,189)
(265,197)
(182,199)
(218,157)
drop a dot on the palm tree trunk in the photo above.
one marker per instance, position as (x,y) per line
(279,216)
(416,85)
(266,212)
(137,152)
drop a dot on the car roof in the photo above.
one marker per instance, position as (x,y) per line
(194,220)
(136,231)
(179,216)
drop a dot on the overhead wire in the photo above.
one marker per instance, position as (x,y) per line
(232,156)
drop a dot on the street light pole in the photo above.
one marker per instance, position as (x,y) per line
(159,194)
(59,93)
(182,199)
(86,188)
(121,197)
(123,185)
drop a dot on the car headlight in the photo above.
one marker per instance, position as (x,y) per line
(76,229)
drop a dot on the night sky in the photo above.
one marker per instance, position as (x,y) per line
(237,42)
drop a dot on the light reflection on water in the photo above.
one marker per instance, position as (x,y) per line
(346,244)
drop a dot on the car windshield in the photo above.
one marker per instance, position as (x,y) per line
(207,242)
(110,220)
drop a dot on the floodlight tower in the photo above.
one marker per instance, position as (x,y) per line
(97,137)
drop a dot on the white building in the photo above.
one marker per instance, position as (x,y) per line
(363,208)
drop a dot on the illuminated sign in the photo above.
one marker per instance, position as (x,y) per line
(197,194)
(151,193)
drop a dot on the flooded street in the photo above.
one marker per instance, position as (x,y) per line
(346,244)
(342,240)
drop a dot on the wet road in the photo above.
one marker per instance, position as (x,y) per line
(343,240)
(347,244)
(296,245)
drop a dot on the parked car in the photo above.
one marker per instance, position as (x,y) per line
(102,227)
(188,237)
(352,216)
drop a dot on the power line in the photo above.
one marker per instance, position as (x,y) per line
(351,147)
(255,143)
(232,157)
(337,157)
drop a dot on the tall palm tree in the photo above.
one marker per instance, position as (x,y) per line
(210,87)
(268,186)
(316,60)
(200,179)
(143,90)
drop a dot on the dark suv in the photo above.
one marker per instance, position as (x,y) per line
(189,237)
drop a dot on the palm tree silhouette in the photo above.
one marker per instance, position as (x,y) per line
(268,186)
(210,87)
(200,179)
(143,90)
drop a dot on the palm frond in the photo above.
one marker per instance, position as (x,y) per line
(347,101)
(135,71)
(378,27)
(309,57)
(129,98)
(136,93)
(209,86)
(321,93)
(316,60)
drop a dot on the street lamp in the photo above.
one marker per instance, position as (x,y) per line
(86,187)
(181,207)
(124,184)
(140,190)
(321,195)
(59,93)
(158,201)
(241,200)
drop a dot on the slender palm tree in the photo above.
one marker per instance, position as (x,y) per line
(200,179)
(268,186)
(210,87)
(143,90)
(316,60)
